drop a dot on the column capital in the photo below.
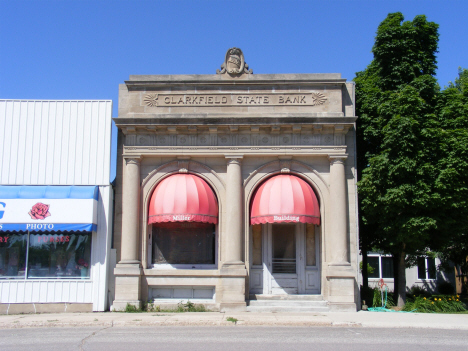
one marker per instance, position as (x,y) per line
(235,159)
(337,159)
(132,160)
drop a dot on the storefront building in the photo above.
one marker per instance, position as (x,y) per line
(236,190)
(56,206)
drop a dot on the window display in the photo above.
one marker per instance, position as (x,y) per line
(51,256)
(13,255)
(184,243)
(59,255)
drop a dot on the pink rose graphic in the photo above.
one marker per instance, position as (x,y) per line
(39,211)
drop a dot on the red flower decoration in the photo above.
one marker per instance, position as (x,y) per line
(39,211)
(82,262)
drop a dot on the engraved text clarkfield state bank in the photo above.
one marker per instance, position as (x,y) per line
(277,99)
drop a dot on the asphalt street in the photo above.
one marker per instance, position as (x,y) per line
(227,338)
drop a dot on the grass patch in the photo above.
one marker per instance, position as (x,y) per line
(151,307)
(132,309)
(231,319)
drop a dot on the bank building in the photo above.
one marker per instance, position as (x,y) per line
(237,190)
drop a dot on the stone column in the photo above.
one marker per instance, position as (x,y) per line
(230,290)
(130,211)
(233,247)
(128,270)
(338,242)
(341,278)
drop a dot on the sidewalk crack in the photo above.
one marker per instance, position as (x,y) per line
(93,334)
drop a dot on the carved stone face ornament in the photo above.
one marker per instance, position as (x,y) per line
(234,63)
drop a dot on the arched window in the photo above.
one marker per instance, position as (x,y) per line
(184,213)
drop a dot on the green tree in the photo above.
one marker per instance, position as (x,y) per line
(452,166)
(395,99)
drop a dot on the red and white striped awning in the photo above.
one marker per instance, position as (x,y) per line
(183,198)
(285,199)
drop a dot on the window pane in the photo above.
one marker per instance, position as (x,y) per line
(310,245)
(284,248)
(374,263)
(61,255)
(431,268)
(13,255)
(184,243)
(421,268)
(257,244)
(387,267)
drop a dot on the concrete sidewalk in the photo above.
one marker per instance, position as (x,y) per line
(353,319)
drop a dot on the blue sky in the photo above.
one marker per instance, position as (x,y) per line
(63,49)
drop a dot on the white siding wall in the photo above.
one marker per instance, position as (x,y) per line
(101,249)
(60,143)
(55,142)
(46,291)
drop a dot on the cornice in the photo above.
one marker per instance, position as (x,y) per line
(231,119)
(153,81)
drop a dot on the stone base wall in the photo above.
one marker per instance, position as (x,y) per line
(32,308)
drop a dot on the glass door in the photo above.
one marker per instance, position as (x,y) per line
(283,248)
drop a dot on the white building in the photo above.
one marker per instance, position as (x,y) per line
(56,205)
(425,274)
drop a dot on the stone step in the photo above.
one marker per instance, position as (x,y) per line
(292,309)
(287,303)
(259,297)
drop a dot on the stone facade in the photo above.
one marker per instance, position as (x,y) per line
(235,130)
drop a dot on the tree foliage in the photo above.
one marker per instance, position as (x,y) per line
(452,165)
(412,145)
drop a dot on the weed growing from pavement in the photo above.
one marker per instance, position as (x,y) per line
(231,319)
(151,307)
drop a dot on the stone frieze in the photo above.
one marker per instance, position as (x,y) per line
(234,137)
(233,99)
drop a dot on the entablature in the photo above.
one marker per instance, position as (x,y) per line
(142,151)
(186,135)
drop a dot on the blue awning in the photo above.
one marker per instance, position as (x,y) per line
(48,208)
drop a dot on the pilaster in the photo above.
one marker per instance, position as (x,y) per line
(233,227)
(340,276)
(232,288)
(338,243)
(128,270)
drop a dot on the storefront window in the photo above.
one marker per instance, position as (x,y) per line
(61,255)
(184,243)
(257,244)
(310,245)
(13,255)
